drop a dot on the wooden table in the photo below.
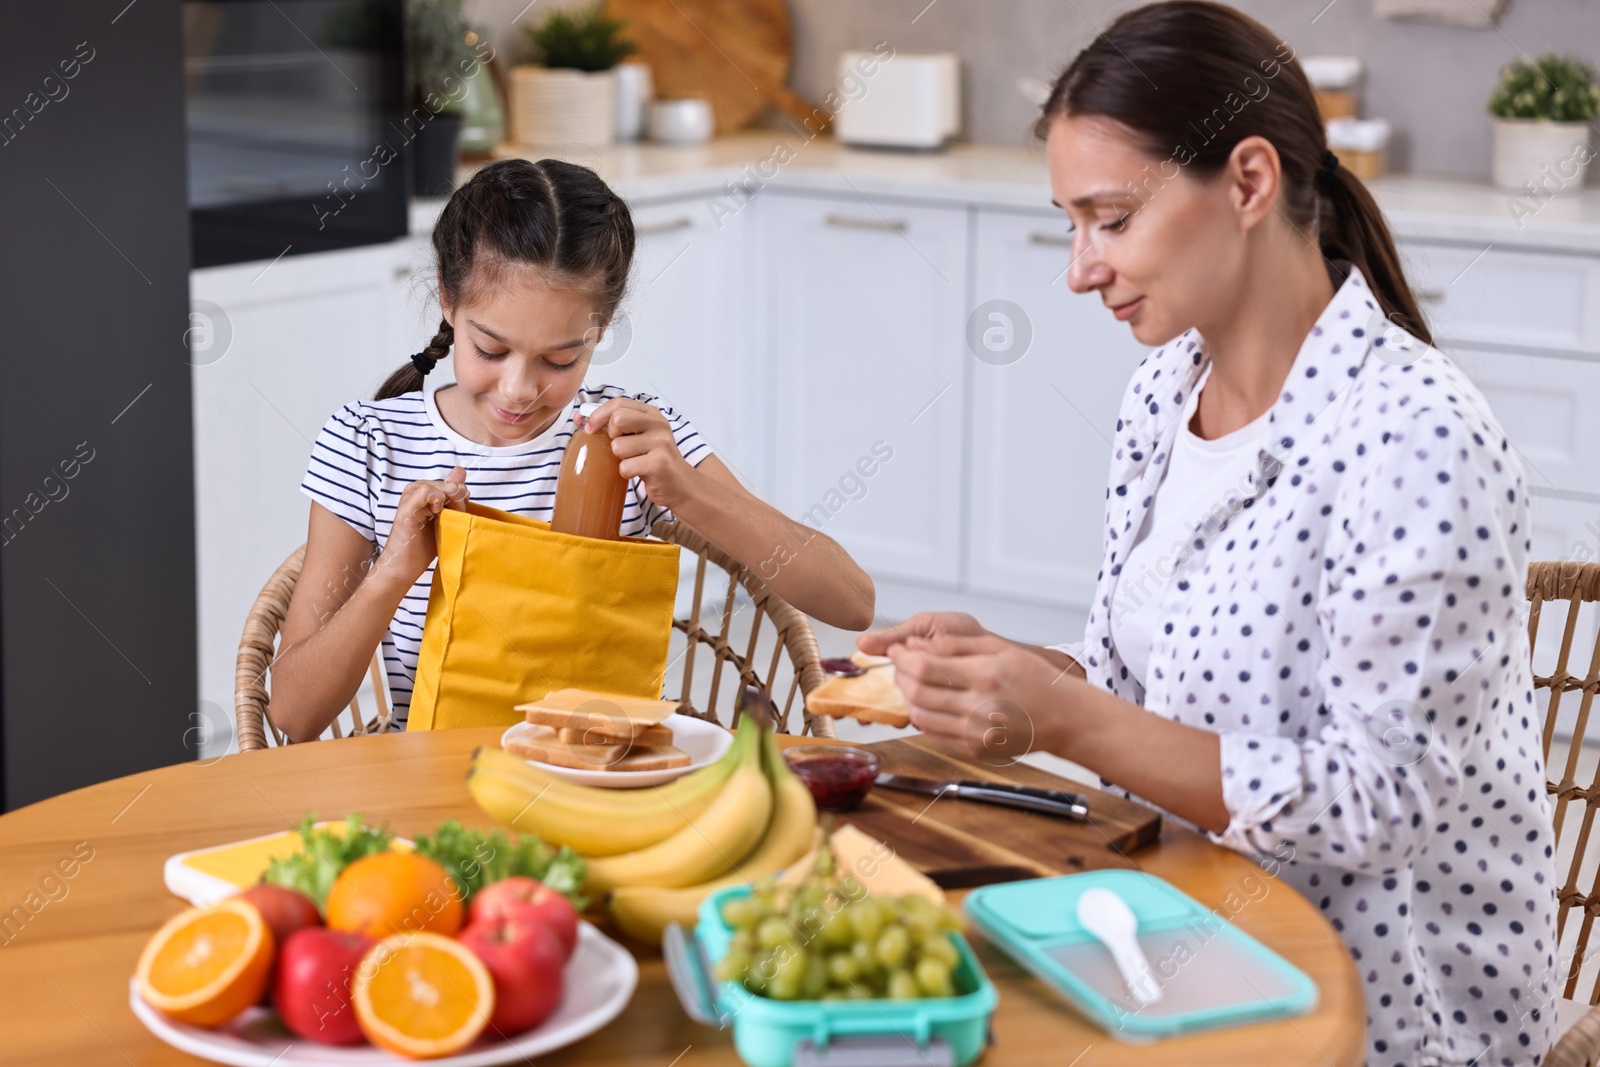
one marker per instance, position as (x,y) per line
(70,944)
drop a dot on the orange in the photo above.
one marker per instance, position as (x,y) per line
(422,995)
(393,892)
(207,965)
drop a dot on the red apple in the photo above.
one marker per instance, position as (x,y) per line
(520,893)
(312,988)
(284,910)
(526,961)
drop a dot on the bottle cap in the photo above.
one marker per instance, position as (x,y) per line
(587,409)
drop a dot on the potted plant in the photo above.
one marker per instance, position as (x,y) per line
(569,94)
(1542,112)
(437,61)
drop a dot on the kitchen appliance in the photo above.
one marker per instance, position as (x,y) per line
(904,100)
(298,139)
(97,588)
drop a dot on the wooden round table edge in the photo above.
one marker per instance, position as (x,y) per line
(70,940)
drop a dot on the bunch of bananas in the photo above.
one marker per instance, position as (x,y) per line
(655,854)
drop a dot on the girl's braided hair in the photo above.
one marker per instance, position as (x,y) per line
(556,217)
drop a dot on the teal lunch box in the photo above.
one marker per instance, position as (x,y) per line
(1211,973)
(929,1032)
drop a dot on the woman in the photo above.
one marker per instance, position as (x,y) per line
(1306,638)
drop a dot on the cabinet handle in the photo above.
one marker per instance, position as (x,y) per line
(402,273)
(849,223)
(1057,240)
(1428,296)
(682,222)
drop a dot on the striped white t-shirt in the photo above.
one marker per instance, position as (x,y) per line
(371,450)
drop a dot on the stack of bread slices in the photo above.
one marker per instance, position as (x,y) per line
(597,732)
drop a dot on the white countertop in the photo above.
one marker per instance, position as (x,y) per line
(1016,179)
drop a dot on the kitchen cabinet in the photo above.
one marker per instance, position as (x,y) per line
(1518,321)
(1046,389)
(682,330)
(1547,406)
(865,317)
(284,345)
(1479,294)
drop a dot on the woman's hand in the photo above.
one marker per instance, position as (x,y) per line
(642,438)
(984,695)
(928,624)
(412,545)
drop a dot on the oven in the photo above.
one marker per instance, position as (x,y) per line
(294,122)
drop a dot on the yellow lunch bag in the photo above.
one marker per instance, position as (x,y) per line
(517,611)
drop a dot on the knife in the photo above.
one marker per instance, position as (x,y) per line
(1026,797)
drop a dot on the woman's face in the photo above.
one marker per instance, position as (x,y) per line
(1156,243)
(521,350)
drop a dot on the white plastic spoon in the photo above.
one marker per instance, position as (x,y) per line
(1108,917)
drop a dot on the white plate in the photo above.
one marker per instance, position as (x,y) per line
(600,980)
(706,742)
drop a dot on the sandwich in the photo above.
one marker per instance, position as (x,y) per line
(869,697)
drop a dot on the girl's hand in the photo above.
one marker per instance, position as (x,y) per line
(985,696)
(923,624)
(642,438)
(412,545)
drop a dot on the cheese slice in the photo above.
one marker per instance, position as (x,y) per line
(874,864)
(209,874)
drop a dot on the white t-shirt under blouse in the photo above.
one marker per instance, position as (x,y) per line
(371,450)
(1205,481)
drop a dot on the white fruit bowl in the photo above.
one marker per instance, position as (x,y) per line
(600,979)
(706,742)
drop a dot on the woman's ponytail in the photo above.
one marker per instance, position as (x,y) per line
(1250,85)
(1350,226)
(408,379)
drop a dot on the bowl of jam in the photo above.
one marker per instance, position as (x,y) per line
(839,776)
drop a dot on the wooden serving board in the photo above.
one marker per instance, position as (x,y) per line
(962,843)
(735,53)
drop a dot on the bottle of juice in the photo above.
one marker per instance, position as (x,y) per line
(590,491)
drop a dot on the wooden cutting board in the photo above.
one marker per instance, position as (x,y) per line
(961,843)
(735,53)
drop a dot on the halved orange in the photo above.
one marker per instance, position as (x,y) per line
(422,995)
(393,892)
(206,965)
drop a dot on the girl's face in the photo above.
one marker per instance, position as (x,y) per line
(521,351)
(1158,244)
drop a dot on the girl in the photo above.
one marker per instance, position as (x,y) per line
(1307,638)
(533,259)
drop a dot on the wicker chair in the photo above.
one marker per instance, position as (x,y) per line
(792,665)
(1575,584)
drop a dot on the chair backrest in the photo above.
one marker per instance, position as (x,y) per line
(1570,593)
(259,645)
(786,662)
(765,641)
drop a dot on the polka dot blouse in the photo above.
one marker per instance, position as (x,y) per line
(1354,627)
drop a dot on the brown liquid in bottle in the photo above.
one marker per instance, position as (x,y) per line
(590,491)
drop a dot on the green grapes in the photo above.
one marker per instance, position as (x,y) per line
(816,941)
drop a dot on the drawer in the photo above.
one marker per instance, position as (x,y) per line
(1503,297)
(1548,406)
